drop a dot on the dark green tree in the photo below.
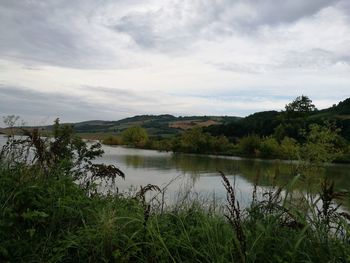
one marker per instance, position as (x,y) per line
(294,118)
(135,136)
(302,104)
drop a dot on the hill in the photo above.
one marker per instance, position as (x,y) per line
(156,125)
(265,123)
(261,123)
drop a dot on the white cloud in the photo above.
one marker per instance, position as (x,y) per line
(119,58)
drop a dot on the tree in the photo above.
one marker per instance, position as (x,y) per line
(269,148)
(290,149)
(62,154)
(294,118)
(194,141)
(302,104)
(321,144)
(135,136)
(250,145)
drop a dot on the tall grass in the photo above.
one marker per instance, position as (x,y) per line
(46,216)
(44,219)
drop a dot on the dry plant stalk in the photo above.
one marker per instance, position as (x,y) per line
(141,195)
(234,216)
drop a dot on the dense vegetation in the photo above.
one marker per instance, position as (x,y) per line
(270,134)
(156,125)
(283,135)
(51,211)
(296,116)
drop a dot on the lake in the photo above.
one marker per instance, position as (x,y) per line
(181,173)
(200,173)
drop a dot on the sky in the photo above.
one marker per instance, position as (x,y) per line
(109,59)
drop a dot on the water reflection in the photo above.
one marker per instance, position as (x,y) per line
(199,173)
(197,165)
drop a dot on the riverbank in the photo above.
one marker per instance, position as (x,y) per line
(52,211)
(288,150)
(51,219)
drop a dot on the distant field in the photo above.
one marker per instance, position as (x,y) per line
(156,125)
(185,125)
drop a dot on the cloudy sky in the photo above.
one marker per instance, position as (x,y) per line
(109,59)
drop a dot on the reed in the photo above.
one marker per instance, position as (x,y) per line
(46,216)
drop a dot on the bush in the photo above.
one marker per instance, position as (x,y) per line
(112,140)
(321,144)
(46,216)
(249,145)
(135,136)
(196,141)
(269,148)
(290,149)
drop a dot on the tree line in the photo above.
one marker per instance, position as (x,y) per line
(290,134)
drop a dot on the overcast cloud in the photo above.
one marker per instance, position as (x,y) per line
(109,59)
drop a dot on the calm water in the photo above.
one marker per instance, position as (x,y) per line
(199,173)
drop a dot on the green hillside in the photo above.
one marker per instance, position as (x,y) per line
(269,122)
(264,123)
(156,125)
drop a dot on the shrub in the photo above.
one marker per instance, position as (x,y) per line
(112,140)
(290,149)
(249,145)
(321,144)
(46,216)
(269,148)
(135,136)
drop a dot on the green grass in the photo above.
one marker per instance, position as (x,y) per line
(51,219)
(47,216)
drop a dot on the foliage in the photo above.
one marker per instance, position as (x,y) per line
(135,136)
(268,134)
(298,114)
(315,139)
(196,141)
(50,220)
(250,145)
(156,125)
(270,148)
(46,216)
(112,140)
(343,107)
(301,104)
(290,149)
(261,123)
(63,153)
(294,118)
(191,141)
(161,144)
(320,145)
